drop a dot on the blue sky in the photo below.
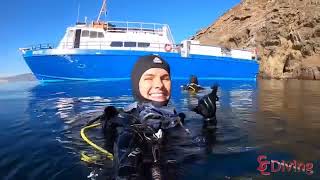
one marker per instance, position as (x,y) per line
(29,22)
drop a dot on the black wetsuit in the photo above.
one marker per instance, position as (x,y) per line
(126,145)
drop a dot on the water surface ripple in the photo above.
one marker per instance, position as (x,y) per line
(40,125)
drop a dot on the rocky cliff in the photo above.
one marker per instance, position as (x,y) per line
(286,34)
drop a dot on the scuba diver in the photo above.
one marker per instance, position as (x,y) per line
(141,135)
(193,85)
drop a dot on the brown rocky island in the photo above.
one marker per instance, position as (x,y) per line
(285,33)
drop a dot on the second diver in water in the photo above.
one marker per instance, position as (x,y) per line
(193,85)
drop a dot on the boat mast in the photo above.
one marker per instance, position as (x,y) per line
(103,9)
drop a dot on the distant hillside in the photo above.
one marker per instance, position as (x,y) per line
(286,34)
(20,77)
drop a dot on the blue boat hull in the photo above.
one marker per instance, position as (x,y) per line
(111,64)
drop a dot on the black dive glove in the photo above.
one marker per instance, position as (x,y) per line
(207,105)
(109,126)
(108,113)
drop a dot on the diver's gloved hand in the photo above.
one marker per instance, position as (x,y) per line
(207,104)
(108,113)
(109,126)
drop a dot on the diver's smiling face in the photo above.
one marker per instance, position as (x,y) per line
(155,85)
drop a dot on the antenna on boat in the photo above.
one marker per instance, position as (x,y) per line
(103,9)
(78,12)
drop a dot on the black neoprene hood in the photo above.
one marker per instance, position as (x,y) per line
(143,64)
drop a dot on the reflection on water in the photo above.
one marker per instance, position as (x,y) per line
(40,124)
(288,118)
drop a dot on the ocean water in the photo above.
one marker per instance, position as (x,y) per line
(40,128)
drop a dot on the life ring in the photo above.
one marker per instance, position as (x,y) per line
(168,47)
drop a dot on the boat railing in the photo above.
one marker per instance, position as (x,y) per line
(225,48)
(127,26)
(41,46)
(38,47)
(116,26)
(125,45)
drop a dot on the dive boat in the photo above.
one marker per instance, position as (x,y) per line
(103,50)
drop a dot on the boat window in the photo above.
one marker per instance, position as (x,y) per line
(85,33)
(116,44)
(143,44)
(130,44)
(93,34)
(100,35)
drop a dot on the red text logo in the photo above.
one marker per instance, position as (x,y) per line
(282,166)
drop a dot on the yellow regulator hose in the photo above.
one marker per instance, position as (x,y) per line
(86,139)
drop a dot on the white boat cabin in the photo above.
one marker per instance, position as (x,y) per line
(153,37)
(116,35)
